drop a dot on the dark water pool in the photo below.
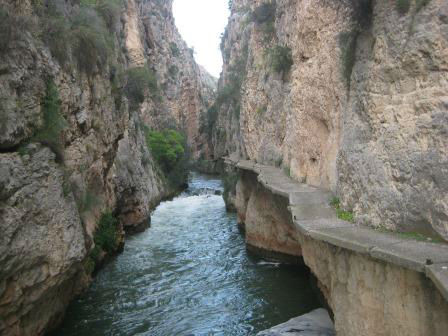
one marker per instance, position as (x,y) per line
(189,274)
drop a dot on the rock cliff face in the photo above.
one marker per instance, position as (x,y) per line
(345,95)
(72,139)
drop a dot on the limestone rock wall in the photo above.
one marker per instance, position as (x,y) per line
(393,157)
(51,197)
(361,111)
(267,223)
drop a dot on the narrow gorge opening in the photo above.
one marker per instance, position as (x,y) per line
(189,271)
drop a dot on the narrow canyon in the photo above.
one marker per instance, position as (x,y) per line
(326,135)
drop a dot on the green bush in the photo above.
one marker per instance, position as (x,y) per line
(53,122)
(264,13)
(92,43)
(420,4)
(110,11)
(106,233)
(116,78)
(105,238)
(167,147)
(347,44)
(280,59)
(341,213)
(173,70)
(403,6)
(12,27)
(264,17)
(57,37)
(174,49)
(85,31)
(169,150)
(139,80)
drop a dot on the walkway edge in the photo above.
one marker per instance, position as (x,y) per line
(430,259)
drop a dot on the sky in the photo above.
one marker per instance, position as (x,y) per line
(201,22)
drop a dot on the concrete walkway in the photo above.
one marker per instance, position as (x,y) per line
(315,218)
(315,323)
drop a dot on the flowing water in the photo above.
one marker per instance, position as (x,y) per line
(189,274)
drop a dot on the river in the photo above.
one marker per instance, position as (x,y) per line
(189,274)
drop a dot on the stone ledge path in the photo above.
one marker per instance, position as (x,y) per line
(315,218)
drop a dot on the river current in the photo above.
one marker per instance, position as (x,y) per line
(189,274)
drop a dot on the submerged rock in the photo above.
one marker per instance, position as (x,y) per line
(315,323)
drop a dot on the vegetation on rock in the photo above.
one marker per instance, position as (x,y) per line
(347,45)
(264,13)
(341,213)
(264,18)
(12,27)
(138,82)
(403,6)
(92,43)
(280,59)
(50,134)
(105,239)
(169,150)
(174,49)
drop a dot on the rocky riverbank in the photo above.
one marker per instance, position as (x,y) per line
(82,86)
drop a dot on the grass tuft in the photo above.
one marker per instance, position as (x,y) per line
(341,213)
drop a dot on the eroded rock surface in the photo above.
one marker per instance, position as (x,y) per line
(361,111)
(42,245)
(50,204)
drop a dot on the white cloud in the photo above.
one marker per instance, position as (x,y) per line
(201,23)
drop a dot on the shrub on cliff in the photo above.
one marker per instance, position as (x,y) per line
(264,13)
(106,233)
(110,11)
(83,32)
(169,149)
(403,6)
(57,30)
(174,49)
(280,59)
(347,44)
(173,70)
(105,238)
(264,18)
(92,43)
(53,122)
(139,80)
(12,27)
